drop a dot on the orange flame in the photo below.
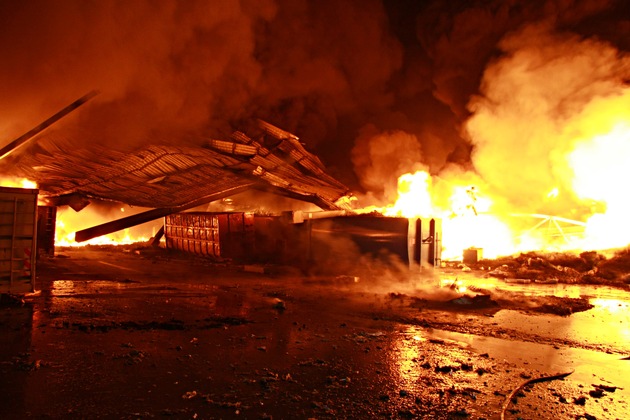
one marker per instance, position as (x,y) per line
(550,131)
(466,219)
(69,222)
(599,164)
(14,182)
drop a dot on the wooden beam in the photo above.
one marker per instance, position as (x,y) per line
(20,141)
(147,216)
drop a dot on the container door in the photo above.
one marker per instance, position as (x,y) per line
(18,230)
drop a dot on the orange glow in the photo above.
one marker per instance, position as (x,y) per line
(599,165)
(414,199)
(466,217)
(470,219)
(550,137)
(17,183)
(69,222)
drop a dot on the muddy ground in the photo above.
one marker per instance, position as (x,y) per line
(139,333)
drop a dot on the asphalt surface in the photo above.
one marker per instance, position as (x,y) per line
(118,333)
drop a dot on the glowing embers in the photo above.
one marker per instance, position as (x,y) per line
(456,285)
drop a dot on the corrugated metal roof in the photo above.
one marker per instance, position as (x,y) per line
(173,176)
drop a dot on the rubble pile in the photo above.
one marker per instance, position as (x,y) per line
(586,268)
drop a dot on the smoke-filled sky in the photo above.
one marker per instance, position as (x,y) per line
(376,88)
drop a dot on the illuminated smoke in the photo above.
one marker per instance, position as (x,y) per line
(551,95)
(170,68)
(375,88)
(173,67)
(547,126)
(381,157)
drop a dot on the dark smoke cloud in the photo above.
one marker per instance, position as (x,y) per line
(159,65)
(330,71)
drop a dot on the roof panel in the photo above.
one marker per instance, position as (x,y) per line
(167,176)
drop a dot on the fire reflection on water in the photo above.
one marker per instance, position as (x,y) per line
(406,357)
(414,355)
(61,288)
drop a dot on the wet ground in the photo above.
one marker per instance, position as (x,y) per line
(115,334)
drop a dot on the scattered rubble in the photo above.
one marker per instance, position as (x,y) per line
(563,306)
(586,268)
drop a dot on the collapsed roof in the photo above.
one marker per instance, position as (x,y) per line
(175,178)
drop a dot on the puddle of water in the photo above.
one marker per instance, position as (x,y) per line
(597,326)
(606,324)
(72,287)
(589,367)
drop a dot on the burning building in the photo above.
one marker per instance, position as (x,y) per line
(314,241)
(529,112)
(176,178)
(483,127)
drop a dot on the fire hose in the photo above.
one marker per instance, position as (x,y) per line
(509,398)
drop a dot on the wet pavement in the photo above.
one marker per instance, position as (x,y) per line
(115,334)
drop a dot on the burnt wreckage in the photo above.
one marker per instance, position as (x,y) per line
(171,179)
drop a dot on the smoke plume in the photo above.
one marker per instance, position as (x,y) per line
(537,102)
(355,80)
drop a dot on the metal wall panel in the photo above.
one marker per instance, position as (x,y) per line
(46,227)
(197,233)
(428,242)
(236,234)
(18,239)
(333,243)
(347,237)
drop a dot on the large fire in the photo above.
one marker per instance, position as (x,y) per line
(470,219)
(550,136)
(69,222)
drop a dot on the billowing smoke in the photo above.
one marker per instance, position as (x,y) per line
(172,67)
(380,157)
(160,66)
(518,80)
(340,75)
(538,101)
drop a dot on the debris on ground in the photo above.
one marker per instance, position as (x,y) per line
(512,396)
(279,305)
(548,267)
(563,306)
(477,301)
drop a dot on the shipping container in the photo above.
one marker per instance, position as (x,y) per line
(218,235)
(18,239)
(393,240)
(308,241)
